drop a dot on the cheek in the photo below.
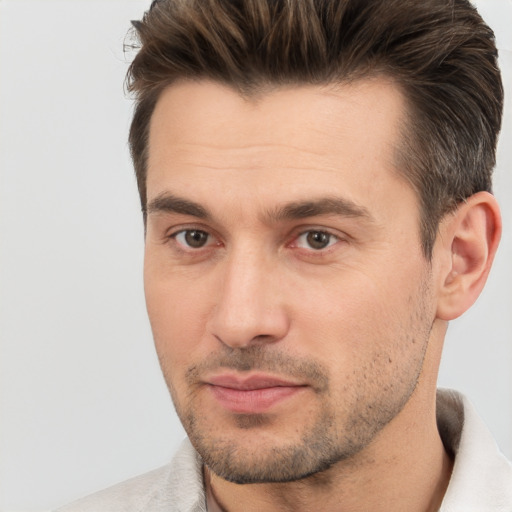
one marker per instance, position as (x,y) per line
(177,313)
(355,318)
(339,307)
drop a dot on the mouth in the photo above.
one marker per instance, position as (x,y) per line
(255,394)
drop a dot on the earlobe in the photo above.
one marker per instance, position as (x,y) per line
(468,240)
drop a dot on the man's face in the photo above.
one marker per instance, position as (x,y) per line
(289,299)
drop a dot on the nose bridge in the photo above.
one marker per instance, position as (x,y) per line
(248,308)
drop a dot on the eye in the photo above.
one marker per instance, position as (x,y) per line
(192,238)
(316,240)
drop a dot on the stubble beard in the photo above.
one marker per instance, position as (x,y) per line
(321,444)
(338,432)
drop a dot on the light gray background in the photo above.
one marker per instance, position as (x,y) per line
(82,401)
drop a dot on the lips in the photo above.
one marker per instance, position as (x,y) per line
(251,395)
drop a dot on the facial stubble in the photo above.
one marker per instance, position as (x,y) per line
(249,448)
(321,444)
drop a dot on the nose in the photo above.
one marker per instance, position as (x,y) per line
(249,307)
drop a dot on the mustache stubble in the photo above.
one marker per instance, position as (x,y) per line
(264,359)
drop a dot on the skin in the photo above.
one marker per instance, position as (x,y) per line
(243,194)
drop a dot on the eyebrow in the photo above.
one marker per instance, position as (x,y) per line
(169,203)
(330,205)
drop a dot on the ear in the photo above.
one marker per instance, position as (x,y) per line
(466,245)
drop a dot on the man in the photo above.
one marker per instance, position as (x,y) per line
(315,180)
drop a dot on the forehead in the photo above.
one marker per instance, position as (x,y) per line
(295,139)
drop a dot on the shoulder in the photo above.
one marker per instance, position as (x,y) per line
(482,476)
(130,495)
(175,486)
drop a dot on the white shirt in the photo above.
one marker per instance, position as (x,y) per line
(481,480)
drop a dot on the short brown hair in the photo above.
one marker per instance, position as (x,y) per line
(440,52)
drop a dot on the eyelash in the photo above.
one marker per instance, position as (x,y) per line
(182,246)
(185,247)
(332,239)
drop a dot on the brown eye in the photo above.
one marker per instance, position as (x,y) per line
(316,240)
(193,238)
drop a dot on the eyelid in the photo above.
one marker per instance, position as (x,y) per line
(328,233)
(174,231)
(302,230)
(339,237)
(216,240)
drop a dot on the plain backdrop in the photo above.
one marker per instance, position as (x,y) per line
(82,401)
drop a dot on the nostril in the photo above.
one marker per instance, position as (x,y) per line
(239,342)
(265,338)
